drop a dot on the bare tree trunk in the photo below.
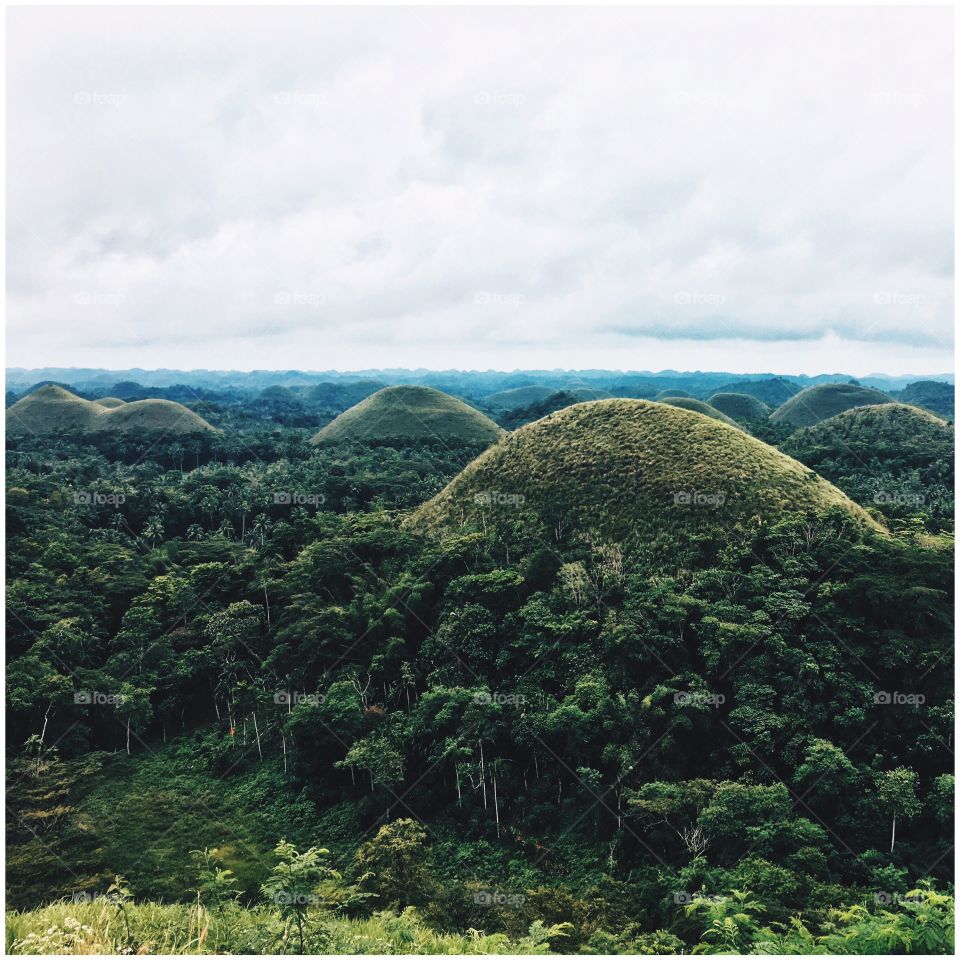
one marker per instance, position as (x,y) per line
(893,834)
(283,740)
(496,804)
(128,736)
(256,731)
(483,775)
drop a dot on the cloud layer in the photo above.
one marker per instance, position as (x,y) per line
(633,188)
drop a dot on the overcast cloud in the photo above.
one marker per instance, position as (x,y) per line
(741,189)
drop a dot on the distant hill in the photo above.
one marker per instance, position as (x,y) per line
(409,413)
(740,406)
(818,403)
(895,457)
(109,401)
(698,406)
(51,408)
(625,468)
(518,397)
(930,394)
(341,396)
(774,391)
(673,394)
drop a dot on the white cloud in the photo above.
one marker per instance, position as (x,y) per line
(746,188)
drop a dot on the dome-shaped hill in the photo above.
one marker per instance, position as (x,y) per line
(152,415)
(673,395)
(625,468)
(51,408)
(698,406)
(410,413)
(740,406)
(888,431)
(814,404)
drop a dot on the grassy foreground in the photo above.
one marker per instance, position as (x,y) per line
(100,927)
(919,923)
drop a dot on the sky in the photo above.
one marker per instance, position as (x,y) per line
(742,189)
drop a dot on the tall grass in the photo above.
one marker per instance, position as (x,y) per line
(102,927)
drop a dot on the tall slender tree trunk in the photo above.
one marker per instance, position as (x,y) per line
(893,834)
(256,731)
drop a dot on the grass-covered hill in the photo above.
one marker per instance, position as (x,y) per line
(109,402)
(52,408)
(897,457)
(826,400)
(152,415)
(740,406)
(409,413)
(774,391)
(671,394)
(625,467)
(698,406)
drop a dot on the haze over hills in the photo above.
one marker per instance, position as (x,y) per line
(409,412)
(814,404)
(52,408)
(624,468)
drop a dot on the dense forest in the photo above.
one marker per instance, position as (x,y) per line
(252,707)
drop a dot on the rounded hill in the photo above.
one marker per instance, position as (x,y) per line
(52,408)
(740,406)
(626,468)
(698,406)
(152,415)
(885,433)
(409,413)
(826,400)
